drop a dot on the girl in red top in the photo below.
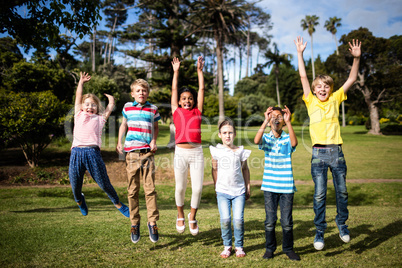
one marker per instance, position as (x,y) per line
(187,111)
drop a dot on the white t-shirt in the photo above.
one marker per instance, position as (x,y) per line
(230,177)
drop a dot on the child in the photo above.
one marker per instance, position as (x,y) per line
(323,110)
(187,110)
(232,185)
(89,120)
(278,183)
(141,119)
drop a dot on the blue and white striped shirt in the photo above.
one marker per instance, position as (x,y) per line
(278,173)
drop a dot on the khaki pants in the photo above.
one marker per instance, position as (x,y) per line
(141,165)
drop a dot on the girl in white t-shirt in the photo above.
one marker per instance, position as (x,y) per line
(232,185)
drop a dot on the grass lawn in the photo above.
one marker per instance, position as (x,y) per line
(42,226)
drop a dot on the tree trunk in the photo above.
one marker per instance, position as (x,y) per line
(248,49)
(93,50)
(374,118)
(219,46)
(336,44)
(240,62)
(312,56)
(277,85)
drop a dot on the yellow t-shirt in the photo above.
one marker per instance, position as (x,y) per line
(324,122)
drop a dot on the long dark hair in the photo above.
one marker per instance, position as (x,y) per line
(192,91)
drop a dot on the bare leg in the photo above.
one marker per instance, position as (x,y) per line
(192,217)
(180,215)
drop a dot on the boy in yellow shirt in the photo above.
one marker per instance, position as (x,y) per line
(323,109)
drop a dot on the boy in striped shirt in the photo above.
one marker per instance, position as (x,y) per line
(140,121)
(278,183)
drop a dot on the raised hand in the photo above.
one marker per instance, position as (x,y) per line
(300,47)
(200,63)
(176,64)
(84,77)
(287,114)
(268,114)
(109,97)
(355,48)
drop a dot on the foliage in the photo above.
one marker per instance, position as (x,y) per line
(256,105)
(31,120)
(161,98)
(233,107)
(39,26)
(29,77)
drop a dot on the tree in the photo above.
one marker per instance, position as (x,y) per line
(33,127)
(275,59)
(39,27)
(331,26)
(309,24)
(221,19)
(380,71)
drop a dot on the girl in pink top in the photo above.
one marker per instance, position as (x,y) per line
(187,111)
(89,119)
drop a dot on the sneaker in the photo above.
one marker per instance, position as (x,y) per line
(268,254)
(153,233)
(135,233)
(344,233)
(293,256)
(319,240)
(124,210)
(83,207)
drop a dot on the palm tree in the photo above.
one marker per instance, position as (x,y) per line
(331,26)
(275,59)
(309,23)
(221,19)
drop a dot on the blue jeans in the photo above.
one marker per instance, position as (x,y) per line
(285,201)
(225,203)
(322,159)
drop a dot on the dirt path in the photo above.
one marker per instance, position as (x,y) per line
(297,182)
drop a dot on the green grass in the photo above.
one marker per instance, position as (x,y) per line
(43,227)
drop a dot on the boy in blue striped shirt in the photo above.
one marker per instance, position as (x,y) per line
(278,183)
(140,121)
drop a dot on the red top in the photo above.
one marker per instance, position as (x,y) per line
(188,125)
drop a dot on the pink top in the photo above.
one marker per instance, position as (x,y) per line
(88,129)
(188,125)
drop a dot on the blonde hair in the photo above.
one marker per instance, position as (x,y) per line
(139,83)
(100,109)
(326,79)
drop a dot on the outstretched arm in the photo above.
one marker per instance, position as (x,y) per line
(109,107)
(260,132)
(84,77)
(292,135)
(356,52)
(175,83)
(201,87)
(300,47)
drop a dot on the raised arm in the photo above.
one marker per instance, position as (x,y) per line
(356,52)
(292,135)
(175,83)
(84,77)
(109,107)
(201,86)
(300,47)
(260,132)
